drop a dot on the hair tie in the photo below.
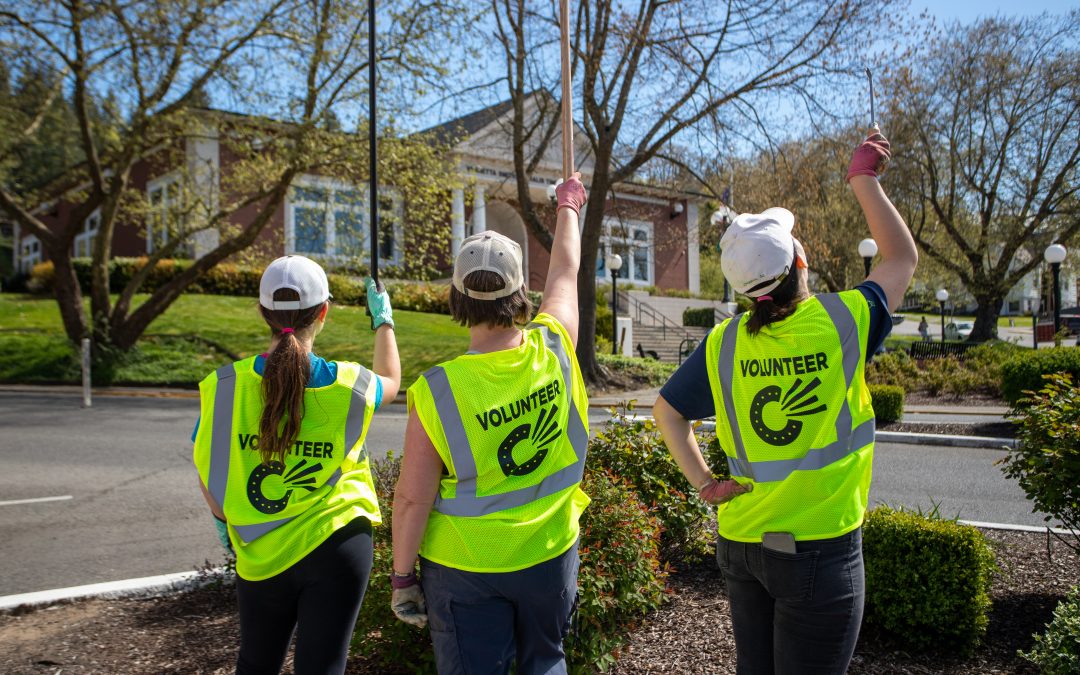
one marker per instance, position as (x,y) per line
(286,331)
(763,298)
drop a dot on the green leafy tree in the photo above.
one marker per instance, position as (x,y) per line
(303,64)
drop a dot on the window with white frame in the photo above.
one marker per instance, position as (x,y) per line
(166,214)
(83,247)
(633,241)
(329,219)
(29,254)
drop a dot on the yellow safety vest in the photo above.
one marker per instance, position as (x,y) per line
(512,429)
(794,417)
(278,512)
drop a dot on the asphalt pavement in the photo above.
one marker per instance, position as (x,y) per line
(109,493)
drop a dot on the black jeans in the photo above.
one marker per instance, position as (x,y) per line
(795,612)
(320,596)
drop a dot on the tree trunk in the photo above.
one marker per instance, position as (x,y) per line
(986,317)
(68,296)
(590,247)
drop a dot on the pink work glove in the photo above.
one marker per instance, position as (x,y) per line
(715,492)
(870,157)
(571,193)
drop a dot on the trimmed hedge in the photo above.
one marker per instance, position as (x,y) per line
(1057,651)
(699,316)
(888,402)
(1025,370)
(927,580)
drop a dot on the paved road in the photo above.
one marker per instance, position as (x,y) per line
(135,511)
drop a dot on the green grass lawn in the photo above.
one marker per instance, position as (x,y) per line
(174,351)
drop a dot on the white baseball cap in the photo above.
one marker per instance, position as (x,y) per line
(492,252)
(296,273)
(757,251)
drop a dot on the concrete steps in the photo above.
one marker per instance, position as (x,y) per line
(666,341)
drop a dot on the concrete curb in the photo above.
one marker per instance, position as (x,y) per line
(127,588)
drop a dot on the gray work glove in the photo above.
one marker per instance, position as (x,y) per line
(409,606)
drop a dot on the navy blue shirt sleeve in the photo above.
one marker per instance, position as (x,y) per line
(880,318)
(688,390)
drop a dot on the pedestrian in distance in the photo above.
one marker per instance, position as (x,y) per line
(280,453)
(495,444)
(924,329)
(785,381)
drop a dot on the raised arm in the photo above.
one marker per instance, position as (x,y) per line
(895,245)
(560,290)
(385,363)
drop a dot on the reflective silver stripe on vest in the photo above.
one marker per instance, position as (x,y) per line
(466,502)
(221,443)
(221,433)
(847,441)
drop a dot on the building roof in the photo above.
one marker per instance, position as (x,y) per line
(462,127)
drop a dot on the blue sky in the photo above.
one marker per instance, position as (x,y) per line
(969,10)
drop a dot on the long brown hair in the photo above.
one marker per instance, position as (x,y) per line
(780,303)
(285,376)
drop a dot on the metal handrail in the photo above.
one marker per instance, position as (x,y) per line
(641,308)
(690,342)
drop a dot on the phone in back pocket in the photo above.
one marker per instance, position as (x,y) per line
(783,542)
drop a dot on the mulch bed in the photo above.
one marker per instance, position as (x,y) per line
(986,429)
(197,632)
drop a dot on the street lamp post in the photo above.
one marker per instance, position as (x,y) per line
(1055,255)
(721,220)
(614,263)
(942,295)
(867,249)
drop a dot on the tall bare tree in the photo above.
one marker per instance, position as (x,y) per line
(986,128)
(303,63)
(656,73)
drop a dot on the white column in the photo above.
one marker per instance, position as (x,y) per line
(16,249)
(479,214)
(204,175)
(693,259)
(457,221)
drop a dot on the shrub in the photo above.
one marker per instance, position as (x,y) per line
(894,368)
(621,578)
(1046,461)
(947,375)
(888,402)
(1057,651)
(420,297)
(1024,371)
(699,316)
(649,372)
(42,276)
(927,579)
(633,449)
(984,363)
(379,636)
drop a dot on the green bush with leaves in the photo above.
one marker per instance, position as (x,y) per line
(894,368)
(650,372)
(1024,371)
(420,297)
(621,578)
(888,402)
(1046,461)
(699,316)
(1057,651)
(985,361)
(927,579)
(633,449)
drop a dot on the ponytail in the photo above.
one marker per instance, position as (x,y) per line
(779,303)
(285,376)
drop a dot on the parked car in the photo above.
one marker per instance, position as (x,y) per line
(957,331)
(1070,318)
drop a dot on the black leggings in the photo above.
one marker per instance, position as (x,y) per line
(320,596)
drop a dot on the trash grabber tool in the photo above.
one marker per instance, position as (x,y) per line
(873,115)
(372,163)
(567,100)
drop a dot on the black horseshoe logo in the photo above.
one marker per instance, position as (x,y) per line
(792,403)
(255,493)
(542,436)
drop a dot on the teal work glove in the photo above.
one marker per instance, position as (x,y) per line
(223,536)
(378,305)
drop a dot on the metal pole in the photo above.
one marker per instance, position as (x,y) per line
(372,147)
(727,291)
(1034,329)
(614,312)
(943,321)
(86,372)
(866,265)
(1056,269)
(567,87)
